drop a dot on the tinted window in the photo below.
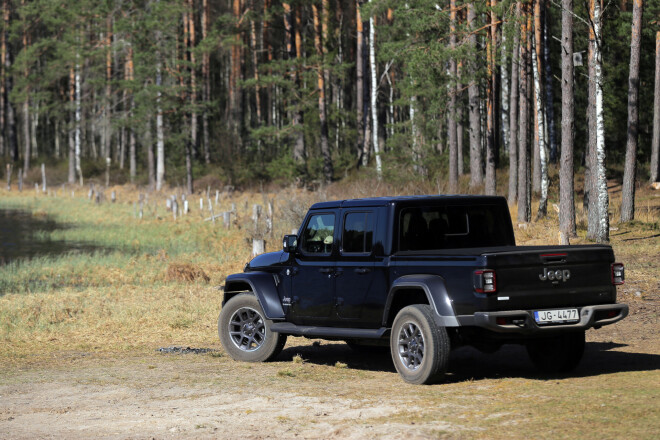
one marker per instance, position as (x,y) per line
(358,233)
(451,227)
(317,236)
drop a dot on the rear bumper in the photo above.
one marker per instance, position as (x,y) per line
(522,321)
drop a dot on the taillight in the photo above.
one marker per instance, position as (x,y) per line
(485,281)
(618,274)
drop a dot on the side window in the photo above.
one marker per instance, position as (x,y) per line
(358,234)
(317,236)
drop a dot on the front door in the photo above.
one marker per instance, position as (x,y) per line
(313,277)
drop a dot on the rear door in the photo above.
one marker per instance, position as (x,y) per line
(355,264)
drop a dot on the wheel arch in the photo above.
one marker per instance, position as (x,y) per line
(420,289)
(263,285)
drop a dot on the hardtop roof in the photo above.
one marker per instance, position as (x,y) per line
(407,200)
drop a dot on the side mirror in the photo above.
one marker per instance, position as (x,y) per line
(290,243)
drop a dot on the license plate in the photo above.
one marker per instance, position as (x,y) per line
(556,316)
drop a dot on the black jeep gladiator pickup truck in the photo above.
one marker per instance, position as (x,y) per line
(424,275)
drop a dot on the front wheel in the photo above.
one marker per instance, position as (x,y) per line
(420,348)
(245,332)
(557,354)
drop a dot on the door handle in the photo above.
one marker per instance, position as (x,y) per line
(325,270)
(362,270)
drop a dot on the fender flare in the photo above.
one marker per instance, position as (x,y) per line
(263,285)
(436,292)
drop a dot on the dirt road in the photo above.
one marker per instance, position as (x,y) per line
(332,393)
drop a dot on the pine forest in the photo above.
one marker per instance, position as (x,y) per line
(164,92)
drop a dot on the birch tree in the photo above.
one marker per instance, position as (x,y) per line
(630,171)
(539,111)
(603,230)
(374,95)
(513,113)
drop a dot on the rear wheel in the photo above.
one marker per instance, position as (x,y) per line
(420,348)
(558,354)
(245,332)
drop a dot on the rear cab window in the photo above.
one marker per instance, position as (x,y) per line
(428,228)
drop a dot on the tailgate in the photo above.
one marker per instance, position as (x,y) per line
(541,277)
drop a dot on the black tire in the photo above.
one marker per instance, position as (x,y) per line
(420,348)
(245,332)
(558,354)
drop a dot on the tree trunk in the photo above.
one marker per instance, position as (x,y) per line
(78,145)
(147,141)
(492,105)
(106,128)
(539,114)
(603,235)
(160,134)
(72,143)
(591,197)
(549,108)
(476,166)
(459,121)
(320,81)
(374,94)
(524,190)
(235,73)
(206,95)
(10,121)
(566,170)
(513,116)
(3,74)
(655,148)
(129,73)
(255,65)
(453,144)
(504,93)
(193,86)
(26,107)
(629,175)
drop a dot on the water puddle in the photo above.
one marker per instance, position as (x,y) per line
(24,236)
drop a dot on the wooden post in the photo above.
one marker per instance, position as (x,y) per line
(90,194)
(36,188)
(43,177)
(20,180)
(113,196)
(217,195)
(226,219)
(256,213)
(168,203)
(141,206)
(258,246)
(201,204)
(9,167)
(175,208)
